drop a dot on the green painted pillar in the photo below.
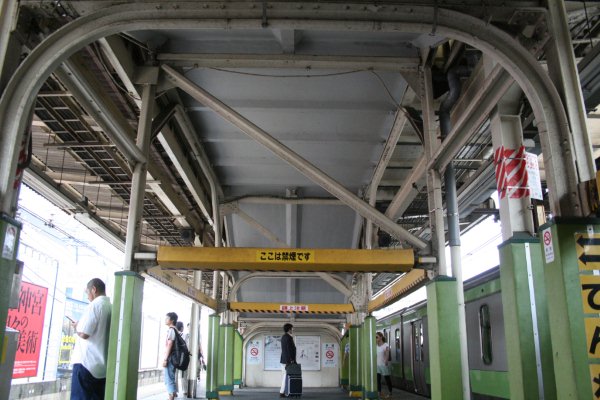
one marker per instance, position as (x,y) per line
(523,298)
(212,357)
(354,367)
(10,230)
(369,359)
(123,360)
(444,341)
(344,369)
(238,357)
(225,374)
(570,249)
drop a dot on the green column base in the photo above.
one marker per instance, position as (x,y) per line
(371,395)
(563,272)
(520,262)
(10,230)
(212,395)
(444,341)
(125,334)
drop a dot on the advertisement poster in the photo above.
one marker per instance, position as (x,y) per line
(272,353)
(308,352)
(254,352)
(28,319)
(73,309)
(330,355)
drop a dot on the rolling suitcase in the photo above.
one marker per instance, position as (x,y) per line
(293,385)
(293,380)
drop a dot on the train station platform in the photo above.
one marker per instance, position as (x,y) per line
(273,393)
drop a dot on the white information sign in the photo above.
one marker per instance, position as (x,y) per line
(254,352)
(308,352)
(548,246)
(272,353)
(533,176)
(10,241)
(330,355)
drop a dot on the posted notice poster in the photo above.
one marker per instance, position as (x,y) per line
(330,355)
(308,352)
(28,319)
(254,352)
(272,353)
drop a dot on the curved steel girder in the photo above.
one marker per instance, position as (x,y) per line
(260,327)
(283,275)
(557,142)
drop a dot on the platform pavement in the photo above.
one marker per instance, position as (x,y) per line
(157,392)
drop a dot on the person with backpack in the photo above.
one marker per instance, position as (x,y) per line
(171,322)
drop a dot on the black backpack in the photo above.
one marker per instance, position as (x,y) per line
(180,355)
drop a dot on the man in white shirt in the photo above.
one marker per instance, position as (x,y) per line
(91,347)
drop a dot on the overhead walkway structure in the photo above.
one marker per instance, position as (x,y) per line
(221,136)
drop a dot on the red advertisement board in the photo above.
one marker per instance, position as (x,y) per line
(28,319)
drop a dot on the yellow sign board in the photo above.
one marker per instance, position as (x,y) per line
(592,333)
(285,255)
(588,251)
(590,293)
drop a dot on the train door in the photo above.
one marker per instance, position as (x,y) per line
(418,356)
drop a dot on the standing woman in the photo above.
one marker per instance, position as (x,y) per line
(383,367)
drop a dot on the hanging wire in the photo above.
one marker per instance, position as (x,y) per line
(287,76)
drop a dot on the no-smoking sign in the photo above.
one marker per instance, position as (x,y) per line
(254,355)
(548,246)
(330,351)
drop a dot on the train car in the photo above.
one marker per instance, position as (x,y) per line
(406,332)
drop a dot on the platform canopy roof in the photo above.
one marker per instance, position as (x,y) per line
(336,83)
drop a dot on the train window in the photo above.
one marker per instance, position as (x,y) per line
(485,334)
(417,329)
(397,341)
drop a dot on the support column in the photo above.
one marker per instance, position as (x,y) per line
(569,252)
(444,341)
(10,230)
(122,364)
(354,368)
(526,325)
(212,355)
(192,383)
(344,369)
(225,374)
(238,357)
(562,68)
(124,342)
(369,359)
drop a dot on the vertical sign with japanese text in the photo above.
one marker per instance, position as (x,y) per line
(28,319)
(588,260)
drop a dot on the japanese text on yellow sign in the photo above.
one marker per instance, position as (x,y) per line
(283,256)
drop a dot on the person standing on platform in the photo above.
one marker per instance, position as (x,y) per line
(88,380)
(171,322)
(182,376)
(383,367)
(288,353)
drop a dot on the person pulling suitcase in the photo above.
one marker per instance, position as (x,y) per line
(288,355)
